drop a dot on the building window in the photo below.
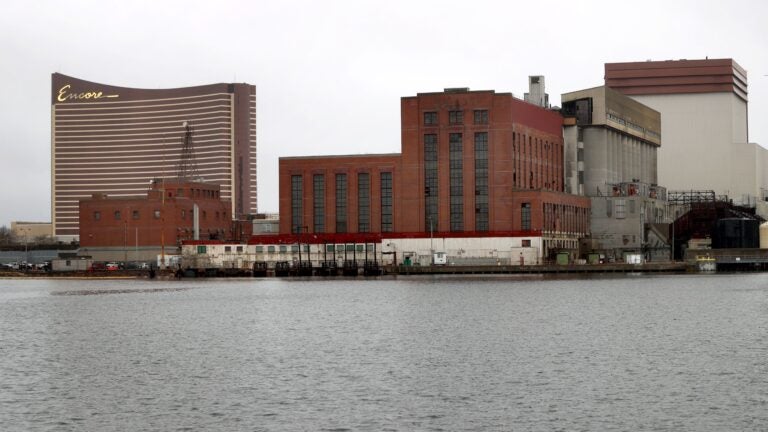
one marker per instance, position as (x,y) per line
(270,249)
(526,243)
(430,181)
(283,248)
(239,249)
(205,215)
(201,249)
(341,203)
(481,117)
(97,215)
(430,118)
(117,214)
(456,173)
(481,181)
(318,202)
(227,249)
(135,214)
(525,217)
(363,202)
(297,192)
(386,202)
(455,117)
(156,214)
(259,249)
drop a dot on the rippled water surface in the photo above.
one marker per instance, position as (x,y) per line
(497,353)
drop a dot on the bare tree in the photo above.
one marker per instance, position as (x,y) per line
(6,235)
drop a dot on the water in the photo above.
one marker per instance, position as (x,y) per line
(678,353)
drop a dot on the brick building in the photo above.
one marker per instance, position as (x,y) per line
(472,164)
(140,227)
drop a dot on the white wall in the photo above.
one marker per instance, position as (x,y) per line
(467,251)
(700,135)
(613,157)
(475,250)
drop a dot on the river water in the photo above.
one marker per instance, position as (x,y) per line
(671,352)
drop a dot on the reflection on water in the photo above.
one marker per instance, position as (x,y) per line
(410,353)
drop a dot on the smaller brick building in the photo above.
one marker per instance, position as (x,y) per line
(162,219)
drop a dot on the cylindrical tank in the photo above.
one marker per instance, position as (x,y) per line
(764,235)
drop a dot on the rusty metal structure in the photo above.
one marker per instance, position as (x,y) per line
(699,212)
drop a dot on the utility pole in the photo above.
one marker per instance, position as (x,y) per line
(298,228)
(26,251)
(125,240)
(431,246)
(672,243)
(162,227)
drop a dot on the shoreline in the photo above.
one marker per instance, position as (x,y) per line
(389,270)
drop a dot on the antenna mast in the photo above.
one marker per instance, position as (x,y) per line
(187,168)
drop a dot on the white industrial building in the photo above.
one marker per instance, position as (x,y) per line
(703,106)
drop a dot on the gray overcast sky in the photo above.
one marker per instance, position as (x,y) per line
(330,74)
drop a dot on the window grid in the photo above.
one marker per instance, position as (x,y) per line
(525,217)
(430,182)
(481,116)
(481,181)
(318,203)
(386,202)
(341,203)
(456,173)
(455,117)
(297,193)
(363,202)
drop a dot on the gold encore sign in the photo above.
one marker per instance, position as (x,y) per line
(65,95)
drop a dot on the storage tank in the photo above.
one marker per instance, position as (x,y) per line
(764,235)
(736,233)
